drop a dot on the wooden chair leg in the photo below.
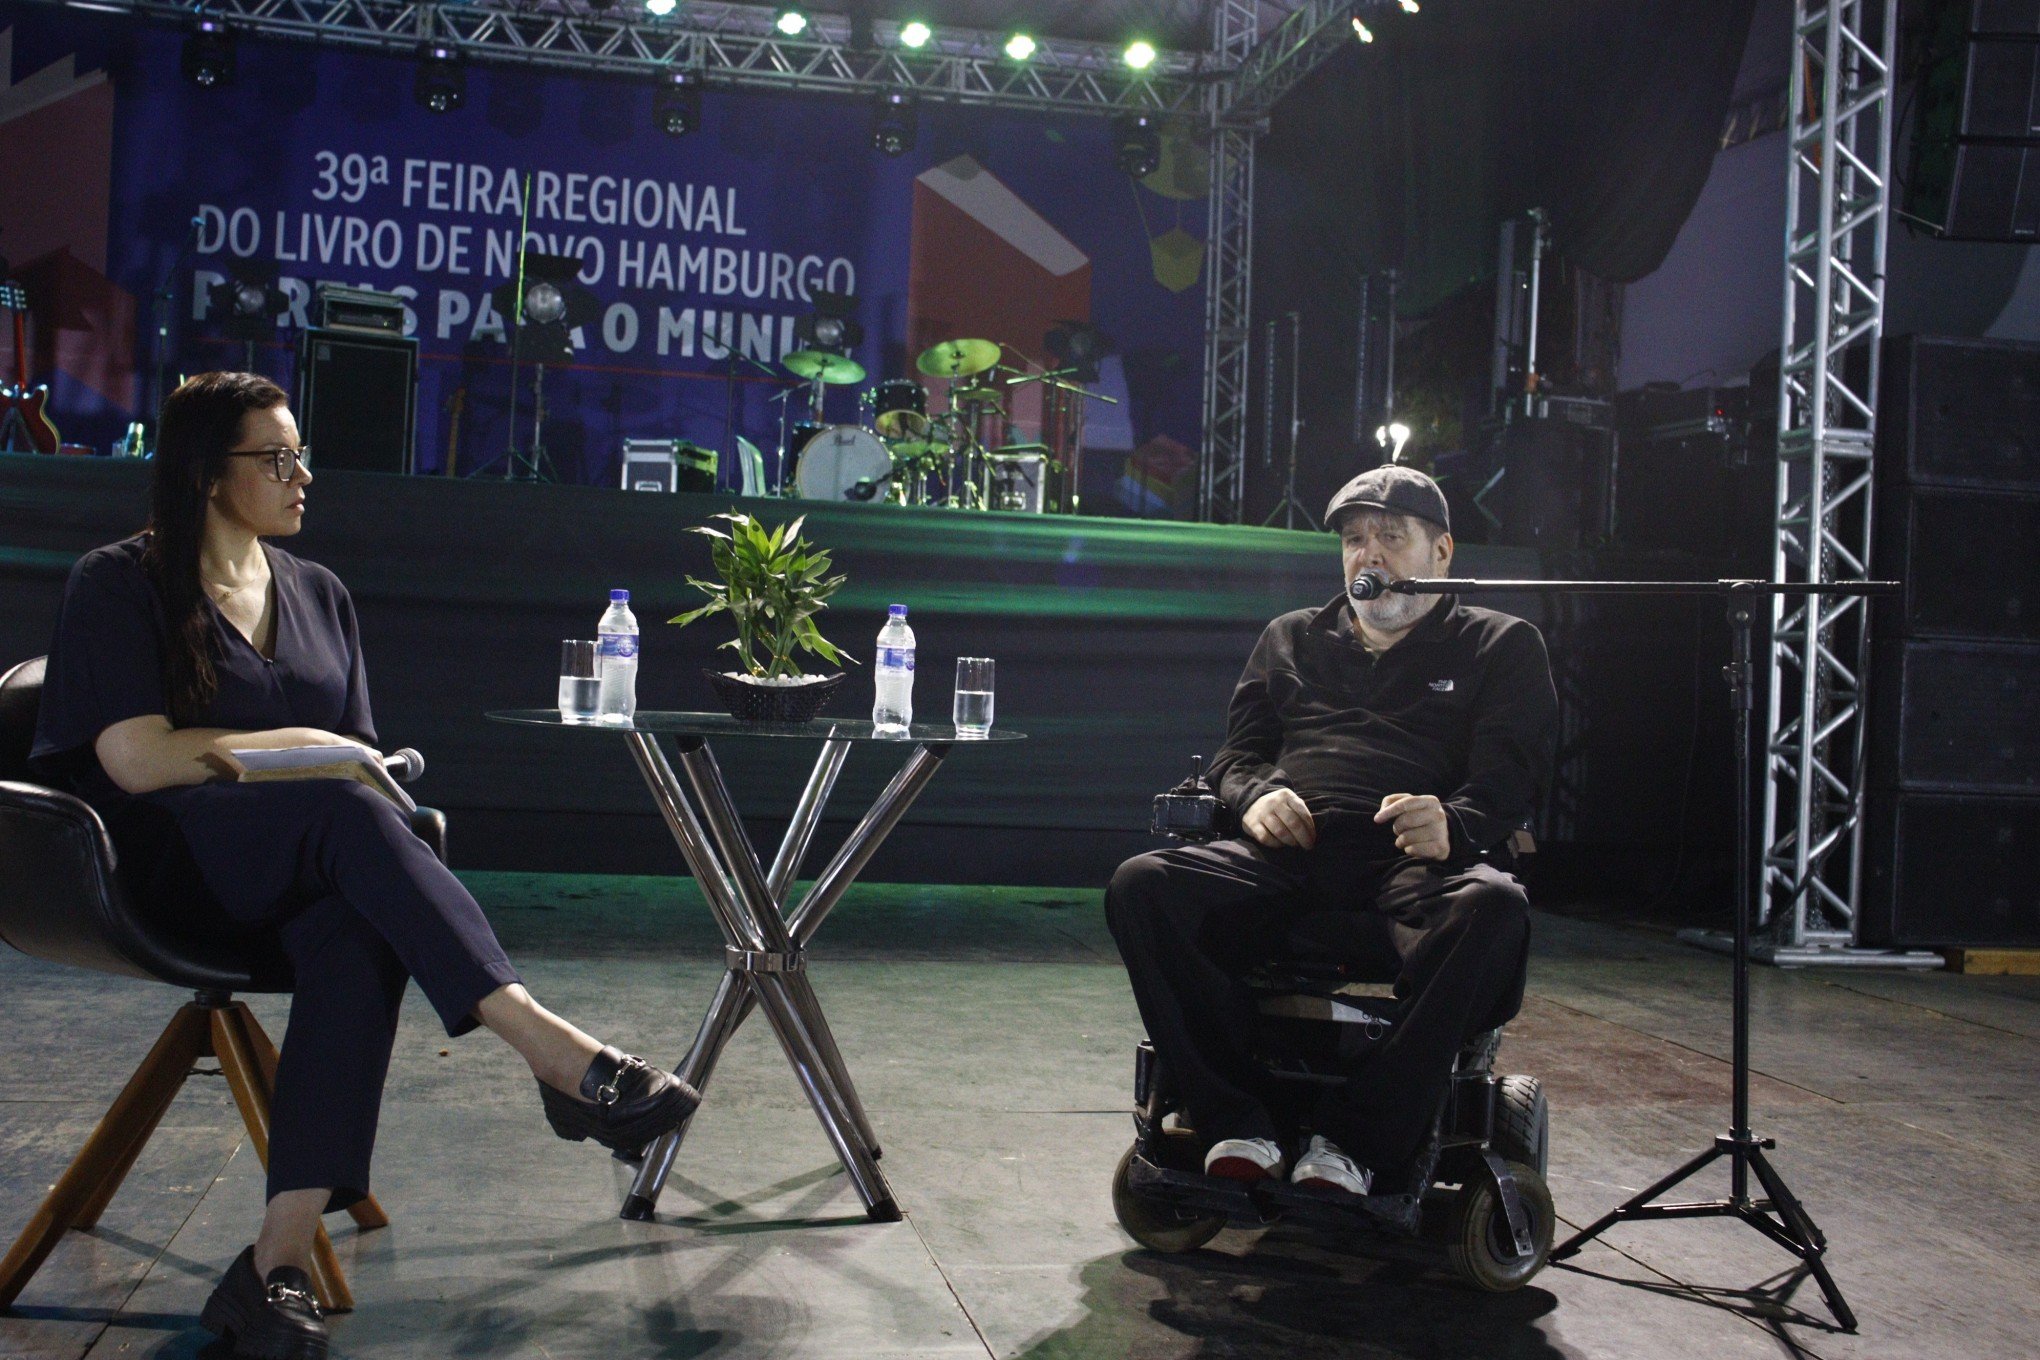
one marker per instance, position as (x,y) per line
(97,1171)
(233,1031)
(366,1213)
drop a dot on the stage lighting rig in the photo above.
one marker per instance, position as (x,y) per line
(1137,141)
(676,107)
(1020,46)
(894,120)
(791,21)
(208,58)
(441,83)
(658,9)
(1140,54)
(915,34)
(599,6)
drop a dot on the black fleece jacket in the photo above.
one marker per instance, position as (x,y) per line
(1462,707)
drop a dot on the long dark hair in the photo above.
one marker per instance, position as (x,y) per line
(200,421)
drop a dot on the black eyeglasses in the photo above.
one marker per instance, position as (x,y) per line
(283,462)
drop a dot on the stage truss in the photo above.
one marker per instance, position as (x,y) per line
(1837,211)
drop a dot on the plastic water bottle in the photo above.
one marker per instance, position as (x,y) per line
(893,710)
(617,641)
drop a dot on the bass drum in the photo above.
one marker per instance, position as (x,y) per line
(843,463)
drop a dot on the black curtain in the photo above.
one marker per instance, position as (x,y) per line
(1407,153)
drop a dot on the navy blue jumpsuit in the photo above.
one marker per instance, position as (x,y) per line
(357,901)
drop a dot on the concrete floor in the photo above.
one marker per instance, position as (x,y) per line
(991,1032)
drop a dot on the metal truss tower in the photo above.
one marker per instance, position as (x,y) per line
(1837,215)
(1229,273)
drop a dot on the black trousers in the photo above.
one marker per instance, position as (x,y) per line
(359,906)
(1191,920)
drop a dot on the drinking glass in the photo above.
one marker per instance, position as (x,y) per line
(972,711)
(580,681)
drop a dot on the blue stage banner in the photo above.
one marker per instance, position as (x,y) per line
(130,189)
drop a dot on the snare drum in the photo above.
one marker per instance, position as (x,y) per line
(901,409)
(844,463)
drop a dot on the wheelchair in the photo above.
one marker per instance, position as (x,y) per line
(1473,1201)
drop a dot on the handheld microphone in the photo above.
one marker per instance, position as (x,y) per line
(1368,585)
(405,765)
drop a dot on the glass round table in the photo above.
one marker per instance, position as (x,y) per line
(765,935)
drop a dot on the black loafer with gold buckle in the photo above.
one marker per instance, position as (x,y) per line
(625,1103)
(273,1319)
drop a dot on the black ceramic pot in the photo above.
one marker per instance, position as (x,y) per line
(747,700)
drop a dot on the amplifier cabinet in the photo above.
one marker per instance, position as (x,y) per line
(357,402)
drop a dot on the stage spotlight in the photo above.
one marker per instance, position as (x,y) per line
(658,9)
(441,83)
(246,303)
(893,121)
(1409,6)
(1020,47)
(832,325)
(915,34)
(1140,54)
(1138,143)
(791,20)
(1361,30)
(676,108)
(208,59)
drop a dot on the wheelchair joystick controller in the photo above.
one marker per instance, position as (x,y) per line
(1192,811)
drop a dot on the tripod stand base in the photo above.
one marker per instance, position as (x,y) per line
(1780,1217)
(1814,955)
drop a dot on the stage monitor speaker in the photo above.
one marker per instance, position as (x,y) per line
(357,400)
(1952,872)
(1556,483)
(1956,717)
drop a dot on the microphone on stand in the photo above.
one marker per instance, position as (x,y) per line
(1368,585)
(404,765)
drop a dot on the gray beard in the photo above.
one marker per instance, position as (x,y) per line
(1392,613)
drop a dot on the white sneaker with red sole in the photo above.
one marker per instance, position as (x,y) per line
(1323,1167)
(1244,1159)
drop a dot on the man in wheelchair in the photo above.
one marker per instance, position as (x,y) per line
(1376,752)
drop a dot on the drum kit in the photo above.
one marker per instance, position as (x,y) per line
(904,454)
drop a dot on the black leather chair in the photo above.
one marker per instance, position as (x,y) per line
(60,899)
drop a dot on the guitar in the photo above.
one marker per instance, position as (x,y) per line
(25,425)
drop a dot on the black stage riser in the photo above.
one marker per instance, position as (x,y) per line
(1118,644)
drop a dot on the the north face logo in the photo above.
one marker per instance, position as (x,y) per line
(1441,686)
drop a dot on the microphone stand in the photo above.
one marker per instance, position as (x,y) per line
(160,315)
(1778,1215)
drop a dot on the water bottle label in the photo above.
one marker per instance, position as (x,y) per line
(896,658)
(622,646)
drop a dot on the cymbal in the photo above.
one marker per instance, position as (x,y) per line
(903,424)
(974,395)
(818,365)
(957,358)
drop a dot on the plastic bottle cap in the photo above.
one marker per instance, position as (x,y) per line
(898,611)
(619,597)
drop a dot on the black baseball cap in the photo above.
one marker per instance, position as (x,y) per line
(1392,487)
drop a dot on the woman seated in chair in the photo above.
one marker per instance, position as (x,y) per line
(195,637)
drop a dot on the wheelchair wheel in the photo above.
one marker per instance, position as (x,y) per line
(1156,1226)
(1479,1241)
(1522,1123)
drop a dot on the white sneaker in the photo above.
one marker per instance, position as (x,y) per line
(1324,1167)
(1244,1159)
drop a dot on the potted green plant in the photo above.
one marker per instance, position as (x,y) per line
(773,583)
